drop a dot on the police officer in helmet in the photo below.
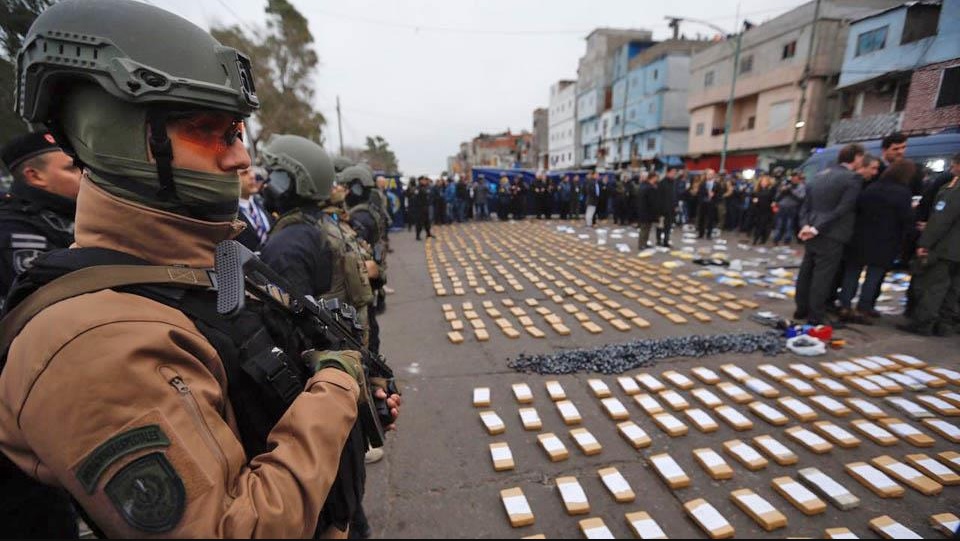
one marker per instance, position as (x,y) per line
(157,416)
(313,244)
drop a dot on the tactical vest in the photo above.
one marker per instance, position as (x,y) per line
(349,282)
(260,351)
(377,217)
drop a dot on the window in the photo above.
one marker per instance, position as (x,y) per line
(708,79)
(746,64)
(921,22)
(751,122)
(903,90)
(699,128)
(632,114)
(655,73)
(616,120)
(651,107)
(874,40)
(789,50)
(651,143)
(779,116)
(949,87)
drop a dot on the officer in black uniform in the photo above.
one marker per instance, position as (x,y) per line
(37,215)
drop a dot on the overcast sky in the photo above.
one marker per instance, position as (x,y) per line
(428,74)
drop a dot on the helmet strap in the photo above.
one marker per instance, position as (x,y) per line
(162,152)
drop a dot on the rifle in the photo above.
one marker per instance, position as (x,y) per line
(328,322)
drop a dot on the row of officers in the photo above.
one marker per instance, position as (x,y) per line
(132,402)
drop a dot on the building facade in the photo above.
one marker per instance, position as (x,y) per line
(540,142)
(562,134)
(649,100)
(778,66)
(901,71)
(595,75)
(504,150)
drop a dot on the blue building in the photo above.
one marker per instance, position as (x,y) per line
(901,71)
(595,74)
(649,117)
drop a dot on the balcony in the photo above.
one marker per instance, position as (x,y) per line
(864,128)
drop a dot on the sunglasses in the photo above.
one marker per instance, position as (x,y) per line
(212,131)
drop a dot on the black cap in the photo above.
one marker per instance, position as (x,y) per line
(27,146)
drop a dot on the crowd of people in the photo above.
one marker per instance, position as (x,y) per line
(861,217)
(866,215)
(760,207)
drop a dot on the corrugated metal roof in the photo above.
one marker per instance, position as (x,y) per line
(905,5)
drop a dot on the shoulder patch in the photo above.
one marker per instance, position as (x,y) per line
(23,258)
(149,494)
(116,448)
(941,205)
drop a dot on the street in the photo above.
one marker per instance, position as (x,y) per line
(437,479)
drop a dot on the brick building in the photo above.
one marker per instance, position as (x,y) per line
(901,71)
(934,101)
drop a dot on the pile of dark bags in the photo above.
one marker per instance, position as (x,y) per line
(619,358)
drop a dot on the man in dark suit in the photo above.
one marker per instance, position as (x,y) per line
(251,212)
(708,197)
(827,217)
(593,198)
(668,195)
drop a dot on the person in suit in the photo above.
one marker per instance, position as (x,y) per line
(258,221)
(762,201)
(648,208)
(884,219)
(592,193)
(827,214)
(708,198)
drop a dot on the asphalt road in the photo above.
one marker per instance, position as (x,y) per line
(437,479)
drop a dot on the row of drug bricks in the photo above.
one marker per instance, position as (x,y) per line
(881,475)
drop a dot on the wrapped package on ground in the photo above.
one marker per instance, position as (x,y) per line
(878,482)
(891,529)
(709,519)
(714,464)
(501,456)
(517,507)
(934,469)
(644,527)
(799,496)
(759,509)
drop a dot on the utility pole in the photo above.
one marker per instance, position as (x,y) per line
(675,24)
(805,82)
(729,117)
(339,125)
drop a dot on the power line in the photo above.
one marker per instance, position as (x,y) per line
(427,28)
(230,10)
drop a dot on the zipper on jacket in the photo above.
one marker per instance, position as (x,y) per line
(186,395)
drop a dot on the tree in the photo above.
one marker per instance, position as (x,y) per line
(379,155)
(355,154)
(283,63)
(16,16)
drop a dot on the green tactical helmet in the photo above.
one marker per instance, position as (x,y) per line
(341,162)
(308,168)
(111,43)
(361,172)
